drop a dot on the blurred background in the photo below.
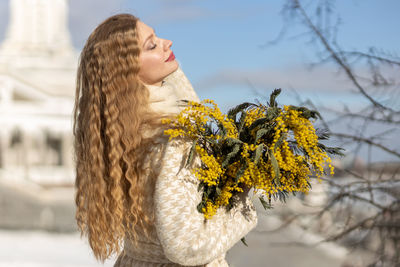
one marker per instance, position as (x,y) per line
(340,57)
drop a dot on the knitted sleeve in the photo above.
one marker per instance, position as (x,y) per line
(185,236)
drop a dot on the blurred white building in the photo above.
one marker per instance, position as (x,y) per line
(37,80)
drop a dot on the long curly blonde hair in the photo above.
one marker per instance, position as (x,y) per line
(111,113)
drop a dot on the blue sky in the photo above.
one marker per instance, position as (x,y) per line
(218,44)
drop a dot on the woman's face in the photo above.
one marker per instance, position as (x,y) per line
(156,60)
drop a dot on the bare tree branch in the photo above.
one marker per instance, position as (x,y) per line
(367,141)
(364,202)
(370,56)
(335,55)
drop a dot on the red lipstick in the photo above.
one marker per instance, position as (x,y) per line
(171,57)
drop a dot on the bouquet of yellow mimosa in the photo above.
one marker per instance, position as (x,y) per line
(272,149)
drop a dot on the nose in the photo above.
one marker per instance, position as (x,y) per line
(167,44)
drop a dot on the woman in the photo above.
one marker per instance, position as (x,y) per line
(131,191)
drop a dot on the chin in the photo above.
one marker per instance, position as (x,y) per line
(176,65)
(166,72)
(173,68)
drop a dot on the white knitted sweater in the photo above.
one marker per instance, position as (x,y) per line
(180,235)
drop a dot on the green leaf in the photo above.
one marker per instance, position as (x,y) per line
(275,166)
(191,153)
(218,191)
(200,206)
(200,186)
(307,113)
(184,102)
(241,122)
(208,191)
(332,150)
(273,96)
(279,142)
(258,122)
(272,113)
(211,141)
(240,172)
(323,134)
(260,133)
(232,141)
(208,129)
(239,108)
(265,204)
(282,195)
(258,153)
(222,129)
(244,241)
(230,155)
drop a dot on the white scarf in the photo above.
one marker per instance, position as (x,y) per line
(168,97)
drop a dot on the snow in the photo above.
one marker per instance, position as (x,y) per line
(43,249)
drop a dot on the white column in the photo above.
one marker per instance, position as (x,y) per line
(37,27)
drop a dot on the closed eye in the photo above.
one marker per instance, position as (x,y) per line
(152,36)
(153,46)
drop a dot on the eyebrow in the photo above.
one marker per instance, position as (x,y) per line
(150,36)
